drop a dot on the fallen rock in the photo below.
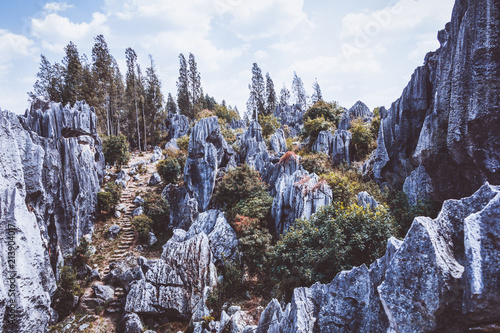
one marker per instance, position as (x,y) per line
(103,292)
(155,179)
(113,231)
(157,155)
(131,323)
(138,201)
(138,211)
(122,178)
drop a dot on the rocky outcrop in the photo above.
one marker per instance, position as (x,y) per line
(207,154)
(292,116)
(443,277)
(177,284)
(297,194)
(177,126)
(335,145)
(447,118)
(183,206)
(157,155)
(358,110)
(253,150)
(278,142)
(52,165)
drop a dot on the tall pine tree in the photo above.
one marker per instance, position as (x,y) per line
(270,95)
(183,98)
(50,81)
(256,102)
(299,92)
(195,90)
(171,105)
(284,96)
(72,75)
(153,99)
(102,72)
(131,90)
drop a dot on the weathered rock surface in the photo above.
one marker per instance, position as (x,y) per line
(253,150)
(335,145)
(292,116)
(52,165)
(208,153)
(296,195)
(105,293)
(443,277)
(183,206)
(447,118)
(131,323)
(358,110)
(177,125)
(222,238)
(366,200)
(278,142)
(155,179)
(157,155)
(122,178)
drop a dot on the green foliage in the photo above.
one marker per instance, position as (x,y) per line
(321,116)
(183,143)
(336,238)
(115,149)
(317,163)
(404,213)
(312,127)
(67,288)
(361,139)
(170,169)
(269,124)
(142,225)
(81,255)
(342,189)
(375,125)
(109,198)
(241,191)
(156,207)
(289,144)
(255,243)
(228,134)
(231,287)
(225,113)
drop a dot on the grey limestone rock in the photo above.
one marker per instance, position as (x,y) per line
(122,178)
(131,323)
(138,201)
(208,153)
(177,125)
(138,211)
(155,179)
(253,150)
(157,155)
(113,231)
(278,142)
(447,117)
(106,293)
(335,145)
(366,200)
(358,110)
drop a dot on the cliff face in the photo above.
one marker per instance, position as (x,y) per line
(447,119)
(51,164)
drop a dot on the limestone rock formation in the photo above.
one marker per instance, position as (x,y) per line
(253,150)
(208,153)
(157,155)
(292,116)
(52,168)
(335,145)
(296,195)
(443,277)
(278,142)
(177,126)
(447,118)
(358,110)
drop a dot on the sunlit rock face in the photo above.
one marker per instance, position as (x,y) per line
(447,119)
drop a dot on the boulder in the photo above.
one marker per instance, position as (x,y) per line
(152,239)
(122,178)
(138,201)
(155,179)
(138,211)
(106,293)
(113,231)
(222,238)
(366,200)
(157,155)
(177,125)
(131,323)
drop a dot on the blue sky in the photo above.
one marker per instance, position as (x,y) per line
(358,50)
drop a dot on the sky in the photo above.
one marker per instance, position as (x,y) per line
(357,50)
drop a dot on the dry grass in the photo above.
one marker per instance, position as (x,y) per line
(286,158)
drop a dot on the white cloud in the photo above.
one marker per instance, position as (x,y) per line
(56,31)
(13,46)
(429,43)
(57,6)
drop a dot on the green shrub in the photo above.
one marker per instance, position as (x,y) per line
(183,143)
(317,163)
(109,198)
(375,125)
(156,207)
(312,128)
(115,149)
(82,253)
(142,225)
(289,144)
(269,124)
(336,238)
(169,169)
(226,114)
(321,116)
(67,288)
(342,190)
(404,213)
(241,191)
(361,139)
